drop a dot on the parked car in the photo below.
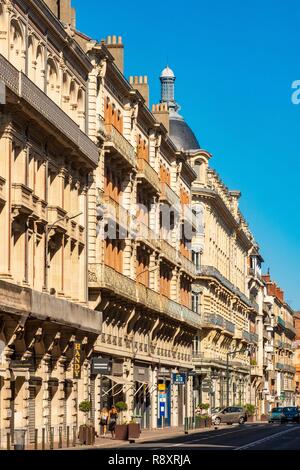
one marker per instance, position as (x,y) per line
(230,415)
(277,414)
(292,414)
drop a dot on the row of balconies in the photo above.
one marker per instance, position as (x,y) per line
(26,203)
(105,277)
(211,271)
(213,320)
(114,211)
(142,348)
(23,87)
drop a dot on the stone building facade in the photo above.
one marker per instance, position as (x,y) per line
(280,327)
(120,240)
(45,164)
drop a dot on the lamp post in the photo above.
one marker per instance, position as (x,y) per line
(47,231)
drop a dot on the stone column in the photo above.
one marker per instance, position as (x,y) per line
(45,384)
(129,399)
(154,407)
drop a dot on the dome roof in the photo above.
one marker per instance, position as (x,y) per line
(167,73)
(181,133)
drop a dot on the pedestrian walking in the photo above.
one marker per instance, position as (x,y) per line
(112,421)
(103,419)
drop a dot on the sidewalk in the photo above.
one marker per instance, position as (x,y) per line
(146,435)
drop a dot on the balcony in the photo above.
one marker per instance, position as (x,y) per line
(169,196)
(2,189)
(187,265)
(147,235)
(42,211)
(148,297)
(253,338)
(169,252)
(171,308)
(54,214)
(148,174)
(290,327)
(108,279)
(23,87)
(117,142)
(22,199)
(279,366)
(246,336)
(279,344)
(229,326)
(190,317)
(280,322)
(212,320)
(115,212)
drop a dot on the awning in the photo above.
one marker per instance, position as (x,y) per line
(118,380)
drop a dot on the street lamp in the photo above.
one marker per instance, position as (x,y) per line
(47,231)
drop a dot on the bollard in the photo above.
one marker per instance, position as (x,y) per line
(60,437)
(68,436)
(74,436)
(43,438)
(51,438)
(35,439)
(8,441)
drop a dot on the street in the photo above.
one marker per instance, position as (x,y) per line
(235,437)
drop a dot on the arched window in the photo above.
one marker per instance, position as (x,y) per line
(31,59)
(65,92)
(73,101)
(17,46)
(52,80)
(81,109)
(40,68)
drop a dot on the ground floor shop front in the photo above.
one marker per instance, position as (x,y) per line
(153,397)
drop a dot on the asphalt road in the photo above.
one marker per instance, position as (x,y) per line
(235,437)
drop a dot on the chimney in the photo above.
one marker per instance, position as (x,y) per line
(63,10)
(116,48)
(161,114)
(267,278)
(141,84)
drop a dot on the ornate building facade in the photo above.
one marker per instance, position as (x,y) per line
(46,159)
(120,240)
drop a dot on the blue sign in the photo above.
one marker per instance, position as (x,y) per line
(162,404)
(179,379)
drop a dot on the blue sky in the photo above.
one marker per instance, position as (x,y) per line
(235,63)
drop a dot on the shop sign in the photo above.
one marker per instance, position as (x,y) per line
(179,379)
(77,360)
(100,366)
(161,387)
